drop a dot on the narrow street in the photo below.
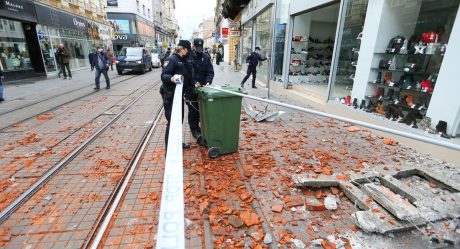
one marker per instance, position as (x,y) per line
(298,182)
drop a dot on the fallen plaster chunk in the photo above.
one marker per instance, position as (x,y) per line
(320,182)
(392,202)
(330,202)
(298,243)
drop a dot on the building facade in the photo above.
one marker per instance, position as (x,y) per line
(166,25)
(30,32)
(132,22)
(394,58)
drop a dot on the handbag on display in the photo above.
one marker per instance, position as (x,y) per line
(392,66)
(441,49)
(297,38)
(426,86)
(387,78)
(430,37)
(410,67)
(408,82)
(395,44)
(404,49)
(385,64)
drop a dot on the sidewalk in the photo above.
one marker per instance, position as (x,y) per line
(17,94)
(225,74)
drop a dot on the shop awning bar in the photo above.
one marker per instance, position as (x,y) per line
(351,121)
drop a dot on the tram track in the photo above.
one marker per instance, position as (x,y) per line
(5,213)
(121,186)
(3,128)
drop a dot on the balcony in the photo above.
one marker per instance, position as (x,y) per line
(231,8)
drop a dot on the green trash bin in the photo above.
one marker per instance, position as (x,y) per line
(220,114)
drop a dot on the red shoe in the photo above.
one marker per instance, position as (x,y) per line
(379,92)
(348,100)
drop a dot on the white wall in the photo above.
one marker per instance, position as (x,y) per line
(298,6)
(445,103)
(130,6)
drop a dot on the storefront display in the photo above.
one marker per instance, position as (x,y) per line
(78,35)
(246,42)
(402,84)
(14,54)
(312,48)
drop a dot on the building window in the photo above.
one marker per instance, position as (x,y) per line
(86,4)
(143,9)
(74,2)
(149,13)
(138,6)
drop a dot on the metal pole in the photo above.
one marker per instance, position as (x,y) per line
(352,121)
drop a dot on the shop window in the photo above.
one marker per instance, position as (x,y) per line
(349,47)
(264,41)
(246,42)
(14,54)
(312,48)
(409,52)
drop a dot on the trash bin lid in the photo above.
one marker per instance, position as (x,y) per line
(213,93)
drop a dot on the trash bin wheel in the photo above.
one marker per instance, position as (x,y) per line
(213,152)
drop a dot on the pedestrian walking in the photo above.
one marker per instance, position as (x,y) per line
(111,57)
(101,63)
(63,58)
(203,74)
(1,85)
(91,57)
(58,63)
(252,61)
(175,68)
(218,57)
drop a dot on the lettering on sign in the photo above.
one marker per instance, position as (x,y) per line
(78,23)
(121,37)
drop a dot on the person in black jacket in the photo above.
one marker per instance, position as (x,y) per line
(252,60)
(101,63)
(1,85)
(165,56)
(175,66)
(203,74)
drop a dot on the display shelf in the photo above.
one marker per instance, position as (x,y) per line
(383,53)
(399,88)
(401,71)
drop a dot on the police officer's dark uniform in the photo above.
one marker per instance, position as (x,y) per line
(203,73)
(253,60)
(174,64)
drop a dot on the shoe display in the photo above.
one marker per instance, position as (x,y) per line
(441,129)
(363,104)
(379,78)
(355,103)
(380,109)
(348,100)
(379,92)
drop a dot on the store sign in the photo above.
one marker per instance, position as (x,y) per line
(52,17)
(224,32)
(234,24)
(113,3)
(121,37)
(18,9)
(234,33)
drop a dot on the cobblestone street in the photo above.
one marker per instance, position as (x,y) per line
(300,181)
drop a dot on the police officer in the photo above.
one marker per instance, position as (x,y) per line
(203,74)
(252,60)
(175,66)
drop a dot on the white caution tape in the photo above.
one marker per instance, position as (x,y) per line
(171,219)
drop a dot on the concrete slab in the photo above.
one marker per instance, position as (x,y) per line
(392,202)
(358,197)
(400,188)
(320,182)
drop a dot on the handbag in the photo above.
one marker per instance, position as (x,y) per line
(430,37)
(441,49)
(426,86)
(431,48)
(395,44)
(410,67)
(385,64)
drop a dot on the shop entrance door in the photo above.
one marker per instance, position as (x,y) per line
(312,48)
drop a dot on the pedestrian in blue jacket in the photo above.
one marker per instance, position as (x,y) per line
(101,63)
